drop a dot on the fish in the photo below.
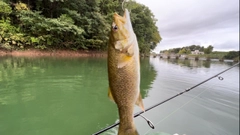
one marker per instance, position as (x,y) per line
(124,71)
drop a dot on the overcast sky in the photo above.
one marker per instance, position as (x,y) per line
(200,22)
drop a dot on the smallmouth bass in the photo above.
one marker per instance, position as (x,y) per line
(124,72)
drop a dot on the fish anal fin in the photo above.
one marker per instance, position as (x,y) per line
(110,95)
(123,60)
(139,102)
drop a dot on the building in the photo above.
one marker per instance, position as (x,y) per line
(196,52)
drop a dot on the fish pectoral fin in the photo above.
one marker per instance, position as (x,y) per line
(118,45)
(139,102)
(110,95)
(123,60)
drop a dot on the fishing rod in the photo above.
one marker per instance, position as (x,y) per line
(151,107)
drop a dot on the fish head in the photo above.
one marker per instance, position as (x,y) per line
(119,30)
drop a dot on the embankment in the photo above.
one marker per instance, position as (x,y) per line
(52,53)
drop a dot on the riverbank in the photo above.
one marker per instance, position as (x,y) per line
(52,53)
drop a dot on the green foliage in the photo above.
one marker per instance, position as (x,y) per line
(108,7)
(188,49)
(21,6)
(208,50)
(196,47)
(5,10)
(184,51)
(60,31)
(232,55)
(10,35)
(214,55)
(66,18)
(72,24)
(38,24)
(144,25)
(176,50)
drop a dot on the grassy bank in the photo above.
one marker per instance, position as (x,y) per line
(231,55)
(213,55)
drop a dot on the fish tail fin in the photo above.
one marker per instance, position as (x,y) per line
(139,102)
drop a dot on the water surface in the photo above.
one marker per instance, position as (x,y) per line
(68,96)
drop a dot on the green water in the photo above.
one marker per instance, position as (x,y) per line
(68,96)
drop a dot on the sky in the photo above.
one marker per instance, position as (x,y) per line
(196,22)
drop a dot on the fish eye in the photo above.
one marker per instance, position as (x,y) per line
(115,27)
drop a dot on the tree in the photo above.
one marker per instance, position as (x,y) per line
(208,50)
(185,50)
(182,51)
(144,25)
(232,54)
(5,10)
(76,24)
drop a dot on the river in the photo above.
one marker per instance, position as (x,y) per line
(68,96)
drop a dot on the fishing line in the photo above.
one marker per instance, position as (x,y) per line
(187,90)
(123,4)
(179,108)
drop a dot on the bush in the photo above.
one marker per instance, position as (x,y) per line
(21,6)
(5,10)
(46,31)
(232,55)
(10,35)
(74,24)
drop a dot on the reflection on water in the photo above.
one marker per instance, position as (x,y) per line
(53,96)
(58,96)
(69,96)
(12,73)
(189,63)
(211,108)
(148,74)
(15,71)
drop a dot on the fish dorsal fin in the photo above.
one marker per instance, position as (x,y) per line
(139,102)
(110,95)
(128,20)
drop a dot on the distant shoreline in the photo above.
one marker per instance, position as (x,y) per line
(52,53)
(197,57)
